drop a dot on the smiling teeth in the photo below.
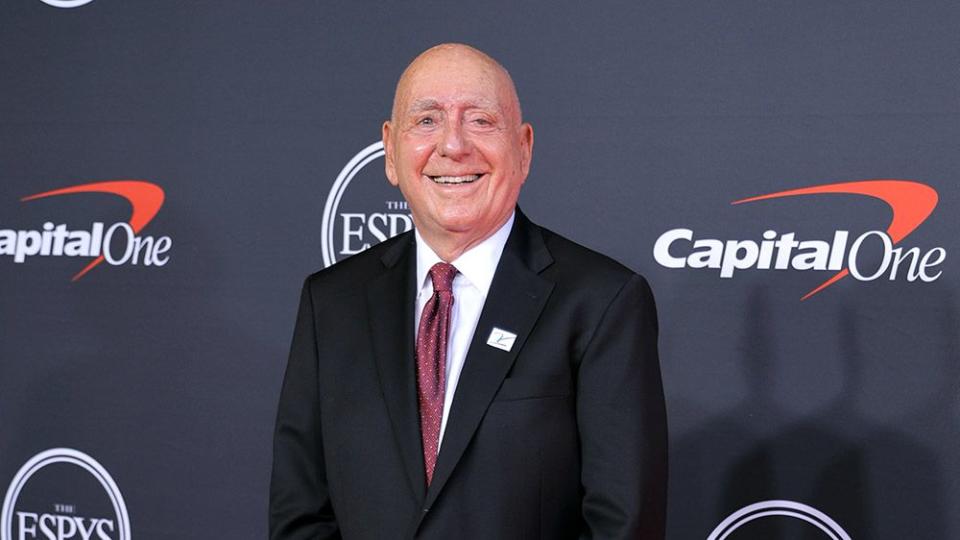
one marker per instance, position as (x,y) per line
(455,179)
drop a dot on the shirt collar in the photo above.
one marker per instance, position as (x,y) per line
(477,265)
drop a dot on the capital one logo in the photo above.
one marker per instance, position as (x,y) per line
(911,203)
(370,212)
(118,243)
(63,494)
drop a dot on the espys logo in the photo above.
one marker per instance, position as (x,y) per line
(66,3)
(791,509)
(354,221)
(910,202)
(117,244)
(63,494)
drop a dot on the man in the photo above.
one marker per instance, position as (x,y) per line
(480,377)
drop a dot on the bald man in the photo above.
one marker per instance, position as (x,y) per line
(479,377)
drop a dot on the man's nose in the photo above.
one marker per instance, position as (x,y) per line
(454,143)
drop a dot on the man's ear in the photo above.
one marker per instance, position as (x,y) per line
(388,158)
(526,147)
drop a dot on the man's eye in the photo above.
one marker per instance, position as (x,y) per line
(482,122)
(425,121)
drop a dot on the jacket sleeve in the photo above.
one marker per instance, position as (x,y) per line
(621,417)
(300,506)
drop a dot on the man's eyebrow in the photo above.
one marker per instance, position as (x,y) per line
(429,104)
(421,105)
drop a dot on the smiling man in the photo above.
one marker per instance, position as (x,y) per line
(480,377)
(457,147)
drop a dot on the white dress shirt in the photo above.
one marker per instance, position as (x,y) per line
(476,267)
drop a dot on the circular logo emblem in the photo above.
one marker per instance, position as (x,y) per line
(61,494)
(779,508)
(66,3)
(370,212)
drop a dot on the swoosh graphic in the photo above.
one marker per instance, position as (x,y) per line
(145,199)
(910,202)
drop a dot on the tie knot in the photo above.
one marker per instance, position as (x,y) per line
(442,275)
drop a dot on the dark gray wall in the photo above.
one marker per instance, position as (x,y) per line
(648,117)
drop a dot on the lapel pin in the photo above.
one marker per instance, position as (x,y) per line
(501,339)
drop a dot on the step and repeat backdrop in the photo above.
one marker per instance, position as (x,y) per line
(784,173)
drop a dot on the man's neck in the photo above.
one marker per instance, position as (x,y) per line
(449,246)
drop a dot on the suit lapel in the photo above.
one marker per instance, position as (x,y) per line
(392,294)
(516,298)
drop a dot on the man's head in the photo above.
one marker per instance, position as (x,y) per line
(456,145)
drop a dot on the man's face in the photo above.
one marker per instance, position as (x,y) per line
(456,146)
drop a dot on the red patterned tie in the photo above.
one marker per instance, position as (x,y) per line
(432,360)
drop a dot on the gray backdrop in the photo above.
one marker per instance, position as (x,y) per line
(648,116)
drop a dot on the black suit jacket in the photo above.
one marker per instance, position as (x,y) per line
(564,436)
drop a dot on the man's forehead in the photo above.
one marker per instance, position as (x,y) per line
(442,79)
(454,74)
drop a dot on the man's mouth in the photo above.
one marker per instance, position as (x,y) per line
(453,180)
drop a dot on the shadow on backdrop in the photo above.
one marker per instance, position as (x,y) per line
(877,481)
